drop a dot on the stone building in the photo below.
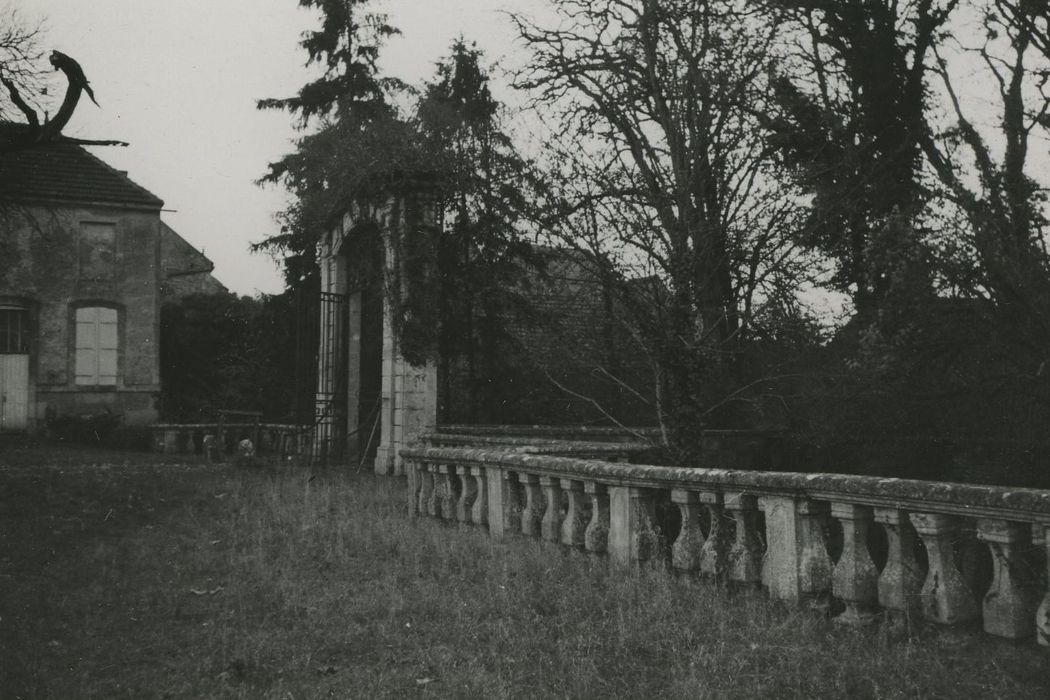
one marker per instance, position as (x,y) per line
(184,269)
(81,277)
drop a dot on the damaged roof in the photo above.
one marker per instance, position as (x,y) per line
(62,171)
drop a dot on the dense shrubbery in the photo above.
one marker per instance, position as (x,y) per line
(227,352)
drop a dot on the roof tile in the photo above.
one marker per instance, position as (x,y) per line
(63,171)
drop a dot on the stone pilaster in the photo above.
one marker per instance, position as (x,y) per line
(631,515)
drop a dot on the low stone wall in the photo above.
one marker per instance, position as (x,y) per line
(268,438)
(767,529)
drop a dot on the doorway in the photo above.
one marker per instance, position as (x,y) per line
(14,368)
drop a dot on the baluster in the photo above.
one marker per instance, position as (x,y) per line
(433,494)
(685,552)
(468,493)
(550,526)
(596,537)
(745,555)
(573,527)
(532,513)
(480,508)
(714,552)
(511,503)
(900,583)
(815,565)
(413,487)
(425,484)
(446,492)
(945,596)
(1010,603)
(855,580)
(1041,536)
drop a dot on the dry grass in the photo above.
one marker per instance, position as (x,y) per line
(125,580)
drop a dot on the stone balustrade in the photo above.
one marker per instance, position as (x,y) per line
(858,546)
(273,438)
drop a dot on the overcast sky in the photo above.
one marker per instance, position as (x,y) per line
(178,79)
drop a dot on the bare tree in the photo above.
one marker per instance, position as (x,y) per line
(24,87)
(1004,205)
(20,58)
(664,179)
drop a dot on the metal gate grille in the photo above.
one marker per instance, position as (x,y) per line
(330,406)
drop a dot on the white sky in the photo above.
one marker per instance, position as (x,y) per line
(178,79)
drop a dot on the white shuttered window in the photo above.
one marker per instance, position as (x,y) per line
(96,346)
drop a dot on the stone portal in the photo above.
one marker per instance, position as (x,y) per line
(370,401)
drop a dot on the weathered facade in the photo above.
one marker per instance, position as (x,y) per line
(80,288)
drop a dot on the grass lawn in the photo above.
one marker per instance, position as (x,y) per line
(128,576)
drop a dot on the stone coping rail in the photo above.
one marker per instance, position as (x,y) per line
(589,433)
(614,451)
(768,530)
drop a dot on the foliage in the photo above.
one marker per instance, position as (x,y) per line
(483,257)
(228,352)
(848,118)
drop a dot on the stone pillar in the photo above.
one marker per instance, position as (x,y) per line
(409,393)
(945,596)
(685,552)
(855,579)
(1010,603)
(511,501)
(550,526)
(573,527)
(745,554)
(497,485)
(631,515)
(596,536)
(900,583)
(796,565)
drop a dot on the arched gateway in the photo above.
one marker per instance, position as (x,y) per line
(370,401)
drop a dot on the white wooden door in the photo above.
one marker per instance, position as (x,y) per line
(14,392)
